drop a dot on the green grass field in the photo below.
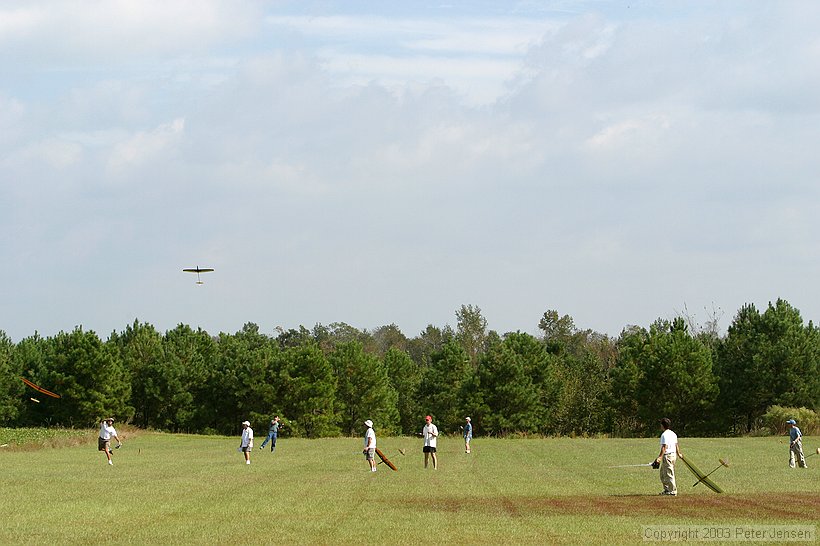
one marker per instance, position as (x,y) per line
(38,438)
(166,488)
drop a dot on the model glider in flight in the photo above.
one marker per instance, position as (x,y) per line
(198,270)
(39,389)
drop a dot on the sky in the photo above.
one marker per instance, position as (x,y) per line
(387,162)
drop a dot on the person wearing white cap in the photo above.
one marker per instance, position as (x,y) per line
(468,434)
(107,432)
(795,445)
(246,446)
(370,445)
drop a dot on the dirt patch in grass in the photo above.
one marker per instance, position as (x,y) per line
(774,506)
(759,507)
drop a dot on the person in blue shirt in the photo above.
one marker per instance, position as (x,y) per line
(468,434)
(273,432)
(795,445)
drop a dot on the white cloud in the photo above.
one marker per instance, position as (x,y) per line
(17,22)
(266,178)
(145,146)
(111,29)
(475,57)
(471,36)
(630,134)
(479,80)
(12,112)
(634,161)
(61,154)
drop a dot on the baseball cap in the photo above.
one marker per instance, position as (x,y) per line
(246,423)
(368,423)
(791,422)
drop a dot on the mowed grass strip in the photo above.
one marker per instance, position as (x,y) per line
(28,439)
(184,489)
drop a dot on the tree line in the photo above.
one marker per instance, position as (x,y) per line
(326,380)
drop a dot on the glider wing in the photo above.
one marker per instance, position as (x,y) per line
(702,478)
(385,460)
(39,389)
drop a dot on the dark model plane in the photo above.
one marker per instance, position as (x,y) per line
(198,270)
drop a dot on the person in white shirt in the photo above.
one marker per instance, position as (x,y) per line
(370,445)
(246,445)
(670,451)
(107,432)
(430,434)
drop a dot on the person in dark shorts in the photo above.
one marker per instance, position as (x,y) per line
(430,435)
(246,444)
(107,432)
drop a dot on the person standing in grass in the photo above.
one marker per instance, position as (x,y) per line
(430,434)
(670,451)
(468,434)
(246,445)
(795,445)
(107,432)
(370,445)
(273,432)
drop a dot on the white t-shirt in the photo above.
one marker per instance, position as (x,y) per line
(107,431)
(430,433)
(670,440)
(370,434)
(247,437)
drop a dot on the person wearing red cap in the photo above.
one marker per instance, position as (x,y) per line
(430,434)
